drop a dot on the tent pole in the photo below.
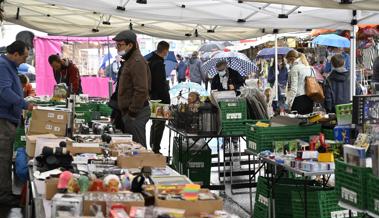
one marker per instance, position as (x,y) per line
(353,54)
(110,82)
(276,88)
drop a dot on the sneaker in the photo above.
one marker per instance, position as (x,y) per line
(11,201)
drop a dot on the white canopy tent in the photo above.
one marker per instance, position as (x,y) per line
(371,5)
(226,13)
(71,21)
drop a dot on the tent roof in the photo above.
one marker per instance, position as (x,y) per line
(227,13)
(71,21)
(207,19)
(371,5)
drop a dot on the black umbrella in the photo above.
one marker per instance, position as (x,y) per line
(210,47)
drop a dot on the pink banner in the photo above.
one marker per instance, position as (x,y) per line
(45,82)
(95,86)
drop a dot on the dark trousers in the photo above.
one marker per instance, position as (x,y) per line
(302,104)
(137,126)
(156,133)
(7,138)
(181,80)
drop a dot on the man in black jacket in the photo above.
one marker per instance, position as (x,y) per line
(159,91)
(227,78)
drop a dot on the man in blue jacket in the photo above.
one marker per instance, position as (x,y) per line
(11,105)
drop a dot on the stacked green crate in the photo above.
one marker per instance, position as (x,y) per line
(329,133)
(351,184)
(105,110)
(262,138)
(195,163)
(20,140)
(233,116)
(262,198)
(373,194)
(83,112)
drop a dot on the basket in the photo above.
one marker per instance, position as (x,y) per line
(351,184)
(262,138)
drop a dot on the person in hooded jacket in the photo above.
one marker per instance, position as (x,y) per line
(195,68)
(337,84)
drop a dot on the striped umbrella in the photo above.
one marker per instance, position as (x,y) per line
(236,61)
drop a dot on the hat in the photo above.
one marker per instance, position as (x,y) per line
(64,178)
(126,35)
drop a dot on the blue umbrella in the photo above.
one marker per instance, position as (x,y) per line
(332,40)
(107,58)
(268,53)
(187,87)
(170,63)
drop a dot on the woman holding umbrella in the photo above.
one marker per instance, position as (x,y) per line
(227,78)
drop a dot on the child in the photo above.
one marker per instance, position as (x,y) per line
(26,86)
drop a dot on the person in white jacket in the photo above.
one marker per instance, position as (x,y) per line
(297,100)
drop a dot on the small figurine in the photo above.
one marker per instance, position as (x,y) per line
(112,183)
(83,184)
(72,186)
(97,186)
(63,181)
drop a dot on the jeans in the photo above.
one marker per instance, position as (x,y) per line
(156,133)
(137,126)
(7,139)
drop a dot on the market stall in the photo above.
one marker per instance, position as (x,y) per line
(98,171)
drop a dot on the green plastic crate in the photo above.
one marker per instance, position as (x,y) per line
(234,109)
(262,138)
(233,128)
(282,194)
(86,116)
(344,113)
(329,133)
(351,184)
(105,110)
(373,194)
(196,163)
(262,198)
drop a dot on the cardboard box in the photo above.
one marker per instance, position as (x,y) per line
(51,188)
(192,208)
(80,148)
(46,127)
(141,160)
(57,115)
(31,142)
(128,204)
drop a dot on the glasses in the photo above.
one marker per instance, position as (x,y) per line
(118,45)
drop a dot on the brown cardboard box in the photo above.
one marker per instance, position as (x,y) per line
(31,142)
(79,148)
(192,208)
(141,160)
(51,114)
(51,186)
(46,127)
(87,204)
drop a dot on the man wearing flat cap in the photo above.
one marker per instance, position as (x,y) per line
(133,86)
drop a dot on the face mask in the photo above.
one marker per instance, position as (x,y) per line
(222,73)
(121,53)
